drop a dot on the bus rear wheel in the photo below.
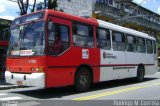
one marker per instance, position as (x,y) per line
(83,80)
(140,74)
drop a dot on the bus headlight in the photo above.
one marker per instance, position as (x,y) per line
(7,69)
(39,69)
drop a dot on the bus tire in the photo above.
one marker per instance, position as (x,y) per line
(83,80)
(140,73)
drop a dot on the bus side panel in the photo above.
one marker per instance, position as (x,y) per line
(140,58)
(60,76)
(150,64)
(96,74)
(61,69)
(113,65)
(135,59)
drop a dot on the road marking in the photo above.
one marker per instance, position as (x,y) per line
(32,103)
(11,98)
(113,92)
(2,94)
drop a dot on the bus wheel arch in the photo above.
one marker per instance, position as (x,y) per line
(140,73)
(83,78)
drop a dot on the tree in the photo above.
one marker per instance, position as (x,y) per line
(52,4)
(23,6)
(45,4)
(33,6)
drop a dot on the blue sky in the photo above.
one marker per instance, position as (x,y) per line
(153,5)
(9,10)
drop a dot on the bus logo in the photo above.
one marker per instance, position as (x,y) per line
(85,54)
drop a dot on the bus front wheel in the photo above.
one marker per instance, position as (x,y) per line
(140,73)
(83,80)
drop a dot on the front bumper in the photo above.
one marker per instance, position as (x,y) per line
(34,79)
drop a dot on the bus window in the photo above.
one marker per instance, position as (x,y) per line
(82,35)
(141,48)
(149,46)
(131,43)
(155,48)
(30,36)
(118,41)
(103,39)
(58,39)
(6,34)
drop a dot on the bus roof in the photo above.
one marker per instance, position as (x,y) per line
(67,16)
(123,29)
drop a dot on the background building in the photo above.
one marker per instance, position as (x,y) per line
(128,14)
(77,7)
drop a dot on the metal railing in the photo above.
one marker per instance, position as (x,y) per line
(115,13)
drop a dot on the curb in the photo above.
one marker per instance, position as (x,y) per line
(3,87)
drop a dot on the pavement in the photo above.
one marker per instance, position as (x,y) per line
(4,85)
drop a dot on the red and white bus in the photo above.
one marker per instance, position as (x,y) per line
(54,49)
(4,38)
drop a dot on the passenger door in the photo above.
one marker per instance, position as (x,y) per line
(58,52)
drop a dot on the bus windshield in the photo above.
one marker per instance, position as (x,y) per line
(27,39)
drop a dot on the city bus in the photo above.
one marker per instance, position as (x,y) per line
(54,49)
(4,38)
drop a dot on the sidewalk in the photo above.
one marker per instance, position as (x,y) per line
(4,85)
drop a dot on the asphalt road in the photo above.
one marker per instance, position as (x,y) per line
(115,93)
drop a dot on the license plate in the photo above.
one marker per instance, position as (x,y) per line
(19,83)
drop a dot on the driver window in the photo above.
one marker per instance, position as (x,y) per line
(58,39)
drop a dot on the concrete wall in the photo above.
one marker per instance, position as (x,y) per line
(77,7)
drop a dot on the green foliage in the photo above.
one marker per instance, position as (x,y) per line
(52,4)
(24,5)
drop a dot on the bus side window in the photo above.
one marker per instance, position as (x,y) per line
(131,43)
(118,41)
(155,48)
(64,33)
(82,35)
(7,34)
(58,39)
(141,47)
(149,46)
(103,39)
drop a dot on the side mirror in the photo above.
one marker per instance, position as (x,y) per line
(50,25)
